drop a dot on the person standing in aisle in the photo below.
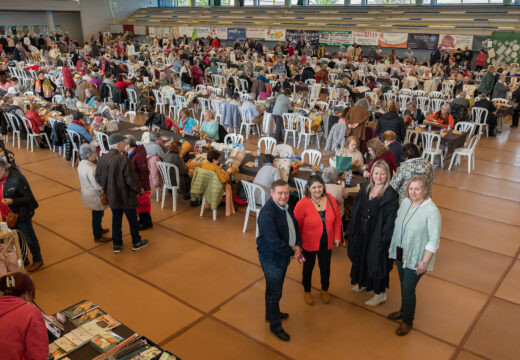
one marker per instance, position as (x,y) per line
(116,175)
(278,239)
(16,197)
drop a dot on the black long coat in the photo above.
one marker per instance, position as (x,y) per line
(379,265)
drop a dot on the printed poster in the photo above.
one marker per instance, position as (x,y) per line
(221,33)
(253,33)
(236,34)
(2,30)
(310,36)
(274,35)
(393,40)
(13,29)
(336,38)
(453,42)
(423,41)
(186,31)
(369,38)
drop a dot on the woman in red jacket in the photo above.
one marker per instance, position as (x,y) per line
(319,220)
(197,73)
(34,118)
(480,61)
(23,334)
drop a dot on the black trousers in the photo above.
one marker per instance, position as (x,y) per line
(278,128)
(323,255)
(516,115)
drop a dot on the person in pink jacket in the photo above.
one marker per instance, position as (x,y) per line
(480,61)
(23,334)
(319,220)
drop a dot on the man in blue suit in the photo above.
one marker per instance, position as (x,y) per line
(278,240)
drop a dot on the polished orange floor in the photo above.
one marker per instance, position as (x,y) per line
(198,290)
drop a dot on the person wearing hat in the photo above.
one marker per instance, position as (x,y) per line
(120,184)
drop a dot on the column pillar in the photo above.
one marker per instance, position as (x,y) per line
(50,21)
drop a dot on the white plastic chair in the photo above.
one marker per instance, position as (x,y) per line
(314,157)
(13,123)
(56,99)
(314,92)
(28,93)
(389,95)
(160,102)
(255,200)
(31,135)
(468,151)
(435,94)
(290,126)
(164,169)
(310,81)
(101,138)
(478,117)
(247,121)
(269,142)
(218,108)
(333,77)
(245,96)
(75,139)
(306,132)
(436,104)
(412,136)
(300,186)
(324,106)
(432,147)
(130,115)
(132,99)
(395,82)
(423,103)
(233,138)
(465,126)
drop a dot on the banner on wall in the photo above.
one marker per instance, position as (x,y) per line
(36,30)
(393,40)
(13,29)
(186,31)
(310,36)
(369,38)
(128,28)
(253,33)
(423,41)
(236,34)
(453,42)
(202,32)
(139,30)
(25,29)
(221,33)
(335,38)
(505,48)
(274,35)
(2,30)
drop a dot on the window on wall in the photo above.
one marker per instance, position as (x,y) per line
(326,2)
(249,3)
(183,3)
(271,2)
(201,2)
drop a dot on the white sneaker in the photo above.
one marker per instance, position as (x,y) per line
(376,300)
(358,289)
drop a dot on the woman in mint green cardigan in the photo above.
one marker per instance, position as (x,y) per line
(414,243)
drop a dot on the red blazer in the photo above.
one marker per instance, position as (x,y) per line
(311,226)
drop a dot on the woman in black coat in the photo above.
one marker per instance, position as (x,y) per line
(391,121)
(372,226)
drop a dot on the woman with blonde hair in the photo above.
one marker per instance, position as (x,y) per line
(415,241)
(209,126)
(371,229)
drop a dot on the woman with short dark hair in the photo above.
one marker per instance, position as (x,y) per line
(319,220)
